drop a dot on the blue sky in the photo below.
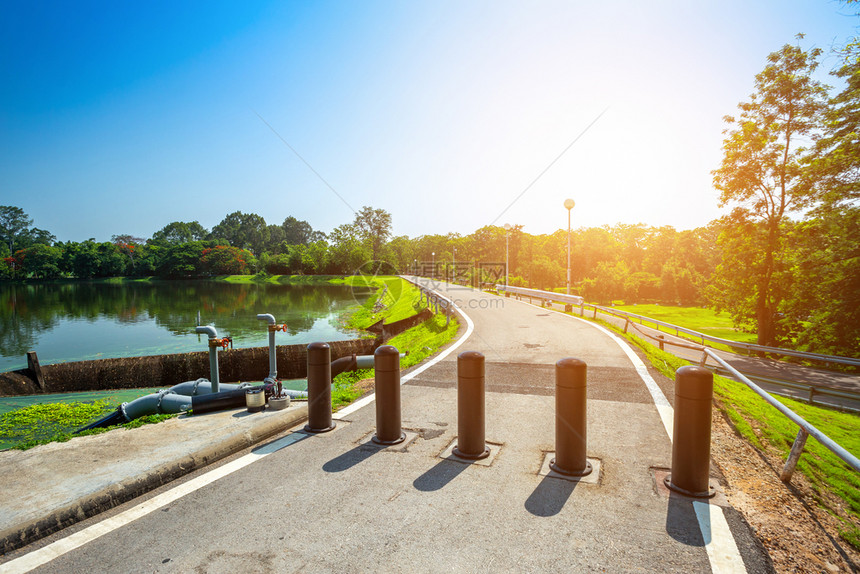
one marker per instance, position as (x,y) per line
(123,117)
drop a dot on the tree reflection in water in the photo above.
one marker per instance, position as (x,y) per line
(74,321)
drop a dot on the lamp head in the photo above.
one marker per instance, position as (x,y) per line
(569,204)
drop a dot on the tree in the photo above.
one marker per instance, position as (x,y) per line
(226,260)
(374,228)
(825,253)
(180,232)
(242,230)
(14,225)
(297,232)
(39,261)
(347,252)
(760,176)
(129,245)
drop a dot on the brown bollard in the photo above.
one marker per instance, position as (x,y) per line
(470,407)
(570,419)
(386,365)
(319,388)
(691,442)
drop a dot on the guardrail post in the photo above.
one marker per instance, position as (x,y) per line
(691,435)
(661,339)
(386,365)
(570,418)
(470,407)
(626,322)
(319,388)
(794,455)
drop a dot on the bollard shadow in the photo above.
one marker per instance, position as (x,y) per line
(550,496)
(351,457)
(440,475)
(682,523)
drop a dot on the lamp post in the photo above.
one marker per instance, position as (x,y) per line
(434,264)
(415,267)
(454,266)
(507,227)
(568,204)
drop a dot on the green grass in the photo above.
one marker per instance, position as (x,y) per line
(398,301)
(424,340)
(705,321)
(38,424)
(769,430)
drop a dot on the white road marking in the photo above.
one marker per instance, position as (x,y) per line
(470,327)
(56,549)
(719,542)
(664,408)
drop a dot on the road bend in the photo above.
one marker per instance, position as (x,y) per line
(334,502)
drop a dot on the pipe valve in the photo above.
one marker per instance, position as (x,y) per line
(276,328)
(223,342)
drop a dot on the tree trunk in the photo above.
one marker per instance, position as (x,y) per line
(765,307)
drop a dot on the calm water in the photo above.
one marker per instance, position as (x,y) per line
(78,321)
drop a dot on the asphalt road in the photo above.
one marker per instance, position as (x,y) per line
(767,373)
(335,502)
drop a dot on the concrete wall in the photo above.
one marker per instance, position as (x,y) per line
(235,365)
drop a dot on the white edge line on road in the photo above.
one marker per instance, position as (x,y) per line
(470,326)
(719,542)
(56,549)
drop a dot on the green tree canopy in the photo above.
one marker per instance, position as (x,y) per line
(760,176)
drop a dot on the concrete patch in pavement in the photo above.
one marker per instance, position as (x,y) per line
(367,440)
(448,454)
(591,478)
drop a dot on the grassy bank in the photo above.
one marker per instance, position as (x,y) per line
(771,432)
(705,321)
(394,299)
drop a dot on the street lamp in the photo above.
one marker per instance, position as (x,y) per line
(415,267)
(454,266)
(568,204)
(434,264)
(507,227)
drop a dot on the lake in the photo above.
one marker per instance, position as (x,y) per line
(81,321)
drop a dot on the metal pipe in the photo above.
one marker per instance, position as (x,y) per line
(273,358)
(837,449)
(471,424)
(213,354)
(691,444)
(387,384)
(570,418)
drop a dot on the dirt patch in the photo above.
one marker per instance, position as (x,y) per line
(799,535)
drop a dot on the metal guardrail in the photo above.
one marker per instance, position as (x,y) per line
(542,295)
(435,301)
(749,347)
(811,390)
(805,431)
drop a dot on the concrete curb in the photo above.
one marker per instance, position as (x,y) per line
(27,532)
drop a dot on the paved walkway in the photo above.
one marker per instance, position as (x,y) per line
(337,503)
